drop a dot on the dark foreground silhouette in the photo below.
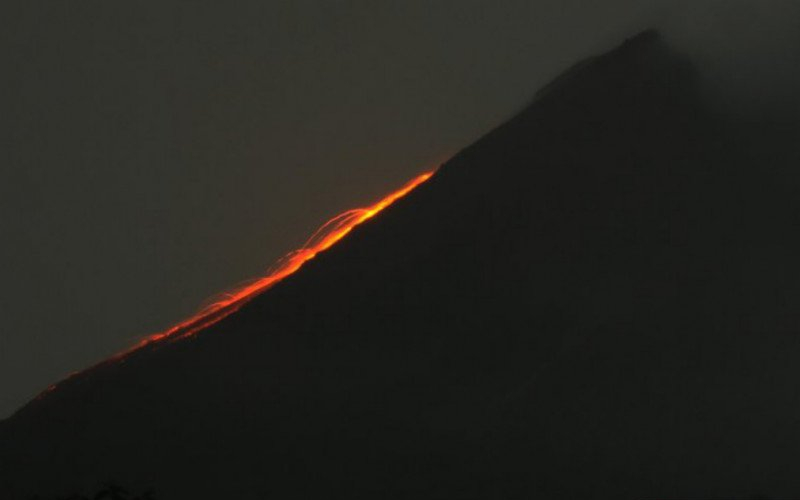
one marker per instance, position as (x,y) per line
(598,299)
(109,491)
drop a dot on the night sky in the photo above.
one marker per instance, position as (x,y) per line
(156,153)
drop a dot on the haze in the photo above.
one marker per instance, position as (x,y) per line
(157,153)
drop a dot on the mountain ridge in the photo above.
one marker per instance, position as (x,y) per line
(555,313)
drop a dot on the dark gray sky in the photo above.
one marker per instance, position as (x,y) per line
(155,153)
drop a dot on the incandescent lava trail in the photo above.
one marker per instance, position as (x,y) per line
(327,235)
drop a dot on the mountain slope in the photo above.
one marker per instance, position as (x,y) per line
(596,299)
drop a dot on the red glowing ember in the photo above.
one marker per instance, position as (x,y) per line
(330,232)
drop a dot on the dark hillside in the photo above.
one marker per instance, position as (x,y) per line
(598,299)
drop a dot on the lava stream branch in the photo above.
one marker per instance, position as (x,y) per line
(322,239)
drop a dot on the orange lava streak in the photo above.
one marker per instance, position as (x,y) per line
(325,237)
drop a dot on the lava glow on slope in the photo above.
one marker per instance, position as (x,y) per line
(330,232)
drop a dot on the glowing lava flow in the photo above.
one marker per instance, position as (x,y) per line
(331,232)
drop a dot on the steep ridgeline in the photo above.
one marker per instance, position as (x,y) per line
(598,299)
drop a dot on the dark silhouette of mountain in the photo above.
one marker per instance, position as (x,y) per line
(598,299)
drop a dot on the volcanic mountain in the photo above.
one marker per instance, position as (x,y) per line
(597,299)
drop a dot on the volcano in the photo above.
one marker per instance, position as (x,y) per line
(597,299)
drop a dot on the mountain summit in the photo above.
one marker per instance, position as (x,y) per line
(598,299)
